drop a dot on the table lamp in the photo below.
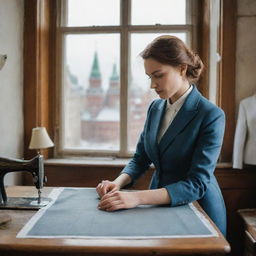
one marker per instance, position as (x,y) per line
(40,139)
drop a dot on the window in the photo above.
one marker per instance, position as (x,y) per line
(104,90)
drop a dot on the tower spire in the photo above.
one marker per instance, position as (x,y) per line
(114,75)
(95,72)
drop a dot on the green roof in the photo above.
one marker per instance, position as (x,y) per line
(95,72)
(114,76)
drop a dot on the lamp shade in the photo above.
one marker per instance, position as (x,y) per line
(40,139)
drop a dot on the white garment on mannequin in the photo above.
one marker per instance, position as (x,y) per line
(245,136)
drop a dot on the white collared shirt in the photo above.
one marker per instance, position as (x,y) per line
(171,111)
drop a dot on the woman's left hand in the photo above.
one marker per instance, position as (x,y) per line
(116,200)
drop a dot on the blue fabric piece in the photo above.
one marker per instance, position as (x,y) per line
(186,156)
(75,213)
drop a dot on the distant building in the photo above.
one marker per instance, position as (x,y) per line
(100,118)
(72,105)
(99,110)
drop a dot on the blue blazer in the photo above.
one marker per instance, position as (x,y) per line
(186,156)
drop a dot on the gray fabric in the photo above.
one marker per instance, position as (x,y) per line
(75,213)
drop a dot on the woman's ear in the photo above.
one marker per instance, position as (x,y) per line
(183,70)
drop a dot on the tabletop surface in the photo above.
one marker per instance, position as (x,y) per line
(145,246)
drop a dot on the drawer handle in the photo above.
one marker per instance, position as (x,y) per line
(250,237)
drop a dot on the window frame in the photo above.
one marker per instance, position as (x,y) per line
(125,29)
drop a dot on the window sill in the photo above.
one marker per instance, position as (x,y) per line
(103,161)
(88,161)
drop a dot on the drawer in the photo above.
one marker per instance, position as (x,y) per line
(250,245)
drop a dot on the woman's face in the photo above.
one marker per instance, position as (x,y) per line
(169,82)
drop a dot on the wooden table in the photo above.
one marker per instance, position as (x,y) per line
(10,245)
(249,218)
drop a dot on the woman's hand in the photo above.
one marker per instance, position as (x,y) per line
(105,187)
(116,200)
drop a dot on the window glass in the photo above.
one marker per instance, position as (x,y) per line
(140,94)
(91,86)
(92,12)
(151,12)
(91,62)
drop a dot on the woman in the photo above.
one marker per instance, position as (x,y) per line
(182,137)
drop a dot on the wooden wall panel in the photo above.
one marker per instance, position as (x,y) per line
(203,45)
(228,74)
(39,70)
(30,71)
(84,176)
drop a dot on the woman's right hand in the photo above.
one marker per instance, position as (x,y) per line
(106,186)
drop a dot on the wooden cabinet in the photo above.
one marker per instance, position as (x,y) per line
(249,219)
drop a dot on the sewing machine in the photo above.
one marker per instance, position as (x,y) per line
(36,167)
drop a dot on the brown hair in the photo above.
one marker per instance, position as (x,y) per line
(172,51)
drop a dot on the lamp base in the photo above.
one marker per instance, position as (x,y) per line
(25,203)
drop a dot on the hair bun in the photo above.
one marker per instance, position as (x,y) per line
(195,67)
